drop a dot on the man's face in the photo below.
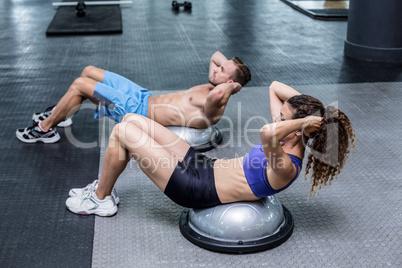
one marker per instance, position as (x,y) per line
(223,73)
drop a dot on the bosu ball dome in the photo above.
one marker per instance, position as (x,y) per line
(240,227)
(200,139)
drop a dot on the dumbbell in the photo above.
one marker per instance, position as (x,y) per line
(80,9)
(176,5)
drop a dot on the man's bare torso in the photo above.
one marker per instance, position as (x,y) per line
(183,108)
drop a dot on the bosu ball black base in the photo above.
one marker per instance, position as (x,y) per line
(241,227)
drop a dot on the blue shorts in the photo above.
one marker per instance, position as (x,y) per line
(119,96)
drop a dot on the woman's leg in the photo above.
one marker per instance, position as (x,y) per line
(155,148)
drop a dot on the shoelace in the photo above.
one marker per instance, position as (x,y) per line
(43,115)
(47,113)
(87,191)
(86,195)
(31,127)
(48,110)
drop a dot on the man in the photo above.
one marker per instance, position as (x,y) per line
(115,96)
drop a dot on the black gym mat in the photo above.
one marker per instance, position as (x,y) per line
(97,20)
(322,10)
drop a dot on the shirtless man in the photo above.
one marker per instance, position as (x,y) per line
(115,96)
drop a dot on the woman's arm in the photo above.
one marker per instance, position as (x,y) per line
(280,169)
(278,94)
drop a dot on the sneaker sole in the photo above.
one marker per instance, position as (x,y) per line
(102,213)
(44,140)
(71,193)
(66,123)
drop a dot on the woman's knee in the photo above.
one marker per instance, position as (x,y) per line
(134,118)
(139,122)
(127,134)
(117,140)
(127,117)
(115,131)
(118,133)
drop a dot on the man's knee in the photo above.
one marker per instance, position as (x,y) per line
(81,86)
(88,71)
(94,73)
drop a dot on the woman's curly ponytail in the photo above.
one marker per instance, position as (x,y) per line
(330,145)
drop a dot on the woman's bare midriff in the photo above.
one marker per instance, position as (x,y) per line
(230,182)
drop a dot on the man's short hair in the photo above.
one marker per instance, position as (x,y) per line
(242,74)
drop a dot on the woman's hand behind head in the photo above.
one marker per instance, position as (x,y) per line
(311,125)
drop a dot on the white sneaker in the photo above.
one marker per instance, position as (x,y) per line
(34,134)
(89,203)
(39,117)
(76,192)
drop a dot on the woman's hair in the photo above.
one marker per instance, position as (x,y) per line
(242,74)
(330,144)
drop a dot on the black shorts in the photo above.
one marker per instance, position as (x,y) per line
(192,183)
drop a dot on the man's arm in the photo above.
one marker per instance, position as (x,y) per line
(218,98)
(217,60)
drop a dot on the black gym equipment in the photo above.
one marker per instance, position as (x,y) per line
(89,17)
(330,10)
(80,9)
(176,5)
(374,31)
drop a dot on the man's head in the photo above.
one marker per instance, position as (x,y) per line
(233,70)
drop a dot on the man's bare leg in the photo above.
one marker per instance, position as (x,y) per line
(94,73)
(81,89)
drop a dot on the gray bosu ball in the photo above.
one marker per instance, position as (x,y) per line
(240,227)
(200,139)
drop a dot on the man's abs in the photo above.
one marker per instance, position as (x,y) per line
(183,108)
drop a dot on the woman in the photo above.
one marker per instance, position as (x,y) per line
(193,180)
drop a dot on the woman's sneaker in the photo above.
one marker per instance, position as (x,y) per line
(76,192)
(39,117)
(89,203)
(34,134)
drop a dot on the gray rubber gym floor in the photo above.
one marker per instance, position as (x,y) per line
(354,223)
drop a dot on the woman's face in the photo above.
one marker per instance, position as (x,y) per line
(285,113)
